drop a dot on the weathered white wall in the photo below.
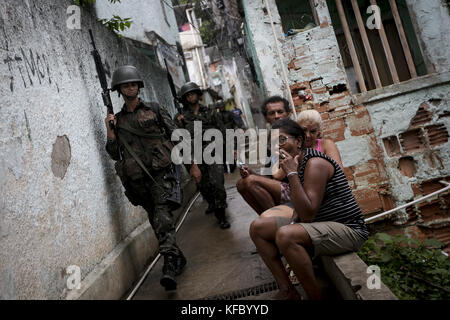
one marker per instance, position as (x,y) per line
(431,20)
(393,117)
(48,86)
(147,15)
(258,24)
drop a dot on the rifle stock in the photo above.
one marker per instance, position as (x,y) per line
(102,78)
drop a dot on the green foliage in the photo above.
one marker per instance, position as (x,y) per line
(116,23)
(410,268)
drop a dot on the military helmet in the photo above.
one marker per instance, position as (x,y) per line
(125,74)
(189,87)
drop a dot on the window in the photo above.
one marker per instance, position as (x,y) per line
(295,14)
(383,56)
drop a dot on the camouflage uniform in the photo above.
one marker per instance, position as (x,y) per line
(212,184)
(153,149)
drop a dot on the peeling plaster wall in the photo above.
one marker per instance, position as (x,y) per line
(258,24)
(49,88)
(431,20)
(395,117)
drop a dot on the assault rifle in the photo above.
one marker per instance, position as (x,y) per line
(102,78)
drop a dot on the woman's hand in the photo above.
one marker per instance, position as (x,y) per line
(287,162)
(245,171)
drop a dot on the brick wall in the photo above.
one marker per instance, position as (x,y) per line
(391,155)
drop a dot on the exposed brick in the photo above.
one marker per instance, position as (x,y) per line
(359,122)
(423,115)
(412,214)
(340,101)
(407,166)
(299,86)
(416,232)
(431,186)
(350,178)
(325,116)
(392,146)
(433,159)
(368,200)
(442,235)
(367,174)
(334,129)
(416,189)
(374,148)
(320,107)
(431,211)
(339,112)
(437,134)
(412,141)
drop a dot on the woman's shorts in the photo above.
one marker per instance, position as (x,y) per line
(328,238)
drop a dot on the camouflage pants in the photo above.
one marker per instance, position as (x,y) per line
(152,198)
(212,185)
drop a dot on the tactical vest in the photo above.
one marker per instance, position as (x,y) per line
(144,132)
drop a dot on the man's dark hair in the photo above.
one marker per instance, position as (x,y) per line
(291,127)
(273,99)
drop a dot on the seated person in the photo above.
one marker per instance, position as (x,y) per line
(266,193)
(326,220)
(311,123)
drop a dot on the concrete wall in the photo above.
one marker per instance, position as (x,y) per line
(261,35)
(413,130)
(148,17)
(153,15)
(61,202)
(432,25)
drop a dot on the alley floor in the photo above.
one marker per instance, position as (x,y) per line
(220,262)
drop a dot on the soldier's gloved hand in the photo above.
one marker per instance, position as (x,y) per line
(195,173)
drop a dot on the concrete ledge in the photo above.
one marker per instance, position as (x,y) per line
(120,269)
(404,87)
(349,275)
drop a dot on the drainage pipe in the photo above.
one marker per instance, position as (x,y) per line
(410,203)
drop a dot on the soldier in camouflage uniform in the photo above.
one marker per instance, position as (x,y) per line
(209,177)
(229,122)
(140,144)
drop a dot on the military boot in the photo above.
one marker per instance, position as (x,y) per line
(220,215)
(181,262)
(210,208)
(169,271)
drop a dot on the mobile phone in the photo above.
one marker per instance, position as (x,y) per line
(240,164)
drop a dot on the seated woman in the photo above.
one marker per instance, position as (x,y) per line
(326,220)
(311,123)
(266,193)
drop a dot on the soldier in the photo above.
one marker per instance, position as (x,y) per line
(140,144)
(209,177)
(229,122)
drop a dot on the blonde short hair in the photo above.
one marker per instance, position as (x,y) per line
(310,115)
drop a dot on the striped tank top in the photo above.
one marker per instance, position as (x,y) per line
(338,203)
